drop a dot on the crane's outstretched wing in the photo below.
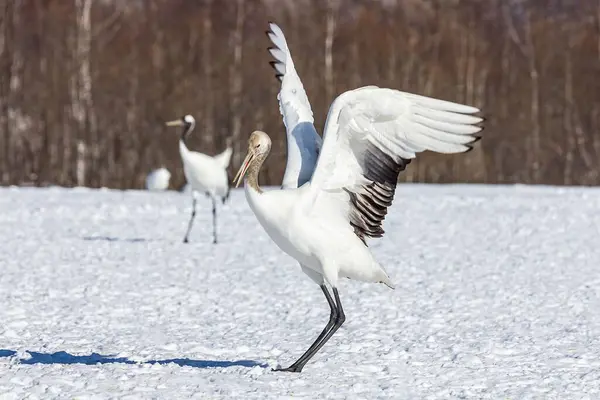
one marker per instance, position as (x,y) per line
(371,134)
(303,141)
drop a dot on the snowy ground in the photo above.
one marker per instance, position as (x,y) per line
(497,296)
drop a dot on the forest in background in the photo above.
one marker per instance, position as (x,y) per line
(86,85)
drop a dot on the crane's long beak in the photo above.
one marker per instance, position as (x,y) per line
(239,177)
(177,122)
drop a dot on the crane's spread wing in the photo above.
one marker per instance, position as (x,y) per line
(304,143)
(371,134)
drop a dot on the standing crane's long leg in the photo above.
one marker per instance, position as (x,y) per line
(189,228)
(224,199)
(214,213)
(336,319)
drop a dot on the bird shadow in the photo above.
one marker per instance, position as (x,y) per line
(113,239)
(62,357)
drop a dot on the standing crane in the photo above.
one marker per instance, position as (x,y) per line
(371,135)
(204,174)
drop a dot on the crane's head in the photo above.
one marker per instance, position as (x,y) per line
(187,122)
(259,146)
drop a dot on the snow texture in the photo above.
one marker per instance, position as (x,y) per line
(497,296)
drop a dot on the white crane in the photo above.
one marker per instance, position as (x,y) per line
(374,134)
(158,179)
(204,174)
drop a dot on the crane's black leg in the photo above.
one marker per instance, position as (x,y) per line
(224,200)
(214,213)
(336,319)
(189,228)
(228,188)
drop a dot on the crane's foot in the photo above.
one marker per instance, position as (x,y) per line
(185,240)
(214,241)
(291,368)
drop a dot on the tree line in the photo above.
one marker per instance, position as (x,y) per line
(86,85)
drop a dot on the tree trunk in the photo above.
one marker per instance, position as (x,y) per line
(329,33)
(209,122)
(81,90)
(236,76)
(567,123)
(6,40)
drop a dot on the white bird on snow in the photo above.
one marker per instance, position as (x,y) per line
(370,136)
(205,174)
(158,179)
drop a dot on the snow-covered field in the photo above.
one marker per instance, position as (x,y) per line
(497,296)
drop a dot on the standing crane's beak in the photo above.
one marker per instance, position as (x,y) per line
(242,171)
(177,122)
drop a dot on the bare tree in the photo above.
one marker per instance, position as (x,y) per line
(236,75)
(81,87)
(207,61)
(528,49)
(6,28)
(102,76)
(329,34)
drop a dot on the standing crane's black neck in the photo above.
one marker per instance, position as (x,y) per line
(187,129)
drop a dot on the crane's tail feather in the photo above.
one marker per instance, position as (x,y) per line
(388,283)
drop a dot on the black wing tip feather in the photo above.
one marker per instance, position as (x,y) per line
(269,23)
(272,48)
(272,63)
(471,144)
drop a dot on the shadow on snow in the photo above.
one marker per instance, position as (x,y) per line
(62,357)
(113,239)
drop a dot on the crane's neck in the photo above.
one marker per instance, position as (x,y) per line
(254,170)
(185,134)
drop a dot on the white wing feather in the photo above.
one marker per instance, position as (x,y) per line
(303,141)
(371,134)
(399,124)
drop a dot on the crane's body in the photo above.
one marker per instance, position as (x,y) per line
(336,191)
(204,174)
(329,248)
